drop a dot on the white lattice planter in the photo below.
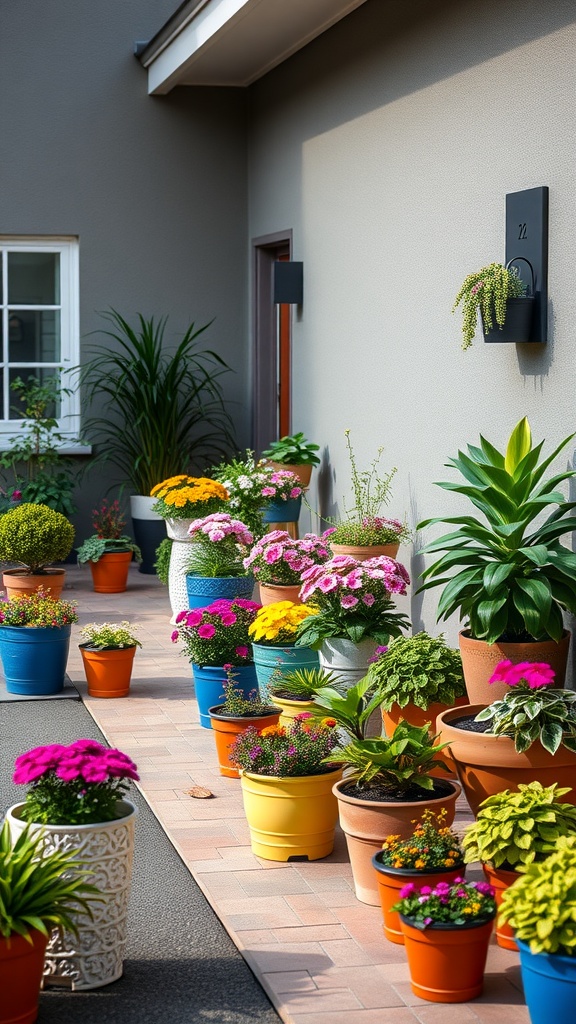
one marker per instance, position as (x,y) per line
(177,530)
(95,957)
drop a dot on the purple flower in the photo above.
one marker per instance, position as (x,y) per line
(406,890)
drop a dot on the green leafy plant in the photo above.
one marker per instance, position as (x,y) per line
(419,670)
(541,905)
(432,846)
(163,409)
(35,536)
(514,829)
(40,888)
(293,450)
(300,684)
(94,547)
(38,609)
(236,704)
(244,479)
(351,708)
(109,636)
(220,543)
(487,291)
(532,710)
(393,765)
(371,490)
(301,748)
(513,576)
(162,563)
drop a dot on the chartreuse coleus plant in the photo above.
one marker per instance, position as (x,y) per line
(513,577)
(514,829)
(393,765)
(419,670)
(532,709)
(541,905)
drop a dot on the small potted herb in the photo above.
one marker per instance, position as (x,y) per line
(236,712)
(498,294)
(34,642)
(214,567)
(109,551)
(295,453)
(108,656)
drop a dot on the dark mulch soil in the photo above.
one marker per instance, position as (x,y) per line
(468,724)
(412,795)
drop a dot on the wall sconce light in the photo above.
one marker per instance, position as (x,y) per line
(288,282)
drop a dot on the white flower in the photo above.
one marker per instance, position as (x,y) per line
(244,483)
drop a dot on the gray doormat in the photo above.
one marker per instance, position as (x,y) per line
(181,966)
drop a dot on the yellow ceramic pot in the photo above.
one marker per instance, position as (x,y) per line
(290,817)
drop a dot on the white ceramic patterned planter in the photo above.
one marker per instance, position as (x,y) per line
(177,530)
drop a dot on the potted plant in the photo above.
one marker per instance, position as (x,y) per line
(215,560)
(296,453)
(356,613)
(234,715)
(76,796)
(162,562)
(163,409)
(34,642)
(109,551)
(282,494)
(244,479)
(278,560)
(273,635)
(213,637)
(446,932)
(511,831)
(513,577)
(108,656)
(541,907)
(287,788)
(294,690)
(9,499)
(431,854)
(497,292)
(41,889)
(34,536)
(528,735)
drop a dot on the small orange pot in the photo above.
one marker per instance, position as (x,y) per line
(447,962)
(362,552)
(17,582)
(501,880)
(21,968)
(270,594)
(391,880)
(108,673)
(110,572)
(226,729)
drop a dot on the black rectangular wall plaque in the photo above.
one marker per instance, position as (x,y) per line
(527,236)
(288,282)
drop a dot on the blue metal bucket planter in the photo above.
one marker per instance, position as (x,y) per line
(209,686)
(283,511)
(549,982)
(34,658)
(287,658)
(203,590)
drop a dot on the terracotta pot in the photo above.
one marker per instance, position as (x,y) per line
(367,823)
(270,594)
(447,963)
(362,552)
(416,716)
(110,572)
(108,673)
(501,880)
(480,659)
(291,708)
(488,764)
(226,728)
(18,581)
(290,817)
(21,968)
(391,880)
(304,473)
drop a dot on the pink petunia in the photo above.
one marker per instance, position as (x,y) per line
(174,636)
(193,618)
(242,652)
(295,492)
(268,492)
(328,583)
(206,631)
(228,619)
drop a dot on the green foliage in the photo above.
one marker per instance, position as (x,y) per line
(515,576)
(527,715)
(374,530)
(244,479)
(515,829)
(35,536)
(293,450)
(370,489)
(541,904)
(405,759)
(487,291)
(94,547)
(300,683)
(236,705)
(109,636)
(419,670)
(40,888)
(351,709)
(162,563)
(163,409)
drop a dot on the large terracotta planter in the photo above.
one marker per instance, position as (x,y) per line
(480,659)
(367,823)
(110,572)
(502,880)
(447,962)
(21,968)
(391,880)
(362,552)
(290,817)
(18,581)
(108,673)
(270,594)
(227,727)
(489,764)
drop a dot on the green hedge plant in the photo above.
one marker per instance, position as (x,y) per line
(541,905)
(35,536)
(420,670)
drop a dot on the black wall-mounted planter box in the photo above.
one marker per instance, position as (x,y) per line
(517,325)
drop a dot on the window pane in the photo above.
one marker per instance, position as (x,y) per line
(34,278)
(34,336)
(44,379)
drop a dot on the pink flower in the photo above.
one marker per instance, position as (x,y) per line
(228,619)
(242,652)
(406,890)
(194,617)
(535,674)
(216,535)
(348,601)
(227,666)
(295,492)
(328,583)
(268,492)
(181,616)
(273,554)
(368,600)
(174,636)
(206,631)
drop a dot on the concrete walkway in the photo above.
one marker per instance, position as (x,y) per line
(320,955)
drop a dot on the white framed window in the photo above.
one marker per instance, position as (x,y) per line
(39,325)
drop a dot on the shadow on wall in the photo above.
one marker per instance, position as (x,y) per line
(327,507)
(536,360)
(417,565)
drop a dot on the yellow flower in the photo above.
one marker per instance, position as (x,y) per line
(419,864)
(449,862)
(329,723)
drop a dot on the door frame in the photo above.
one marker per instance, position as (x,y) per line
(266,250)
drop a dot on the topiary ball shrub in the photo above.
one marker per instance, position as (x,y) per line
(35,536)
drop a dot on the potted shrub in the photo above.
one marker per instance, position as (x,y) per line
(513,577)
(213,637)
(109,551)
(287,788)
(244,479)
(528,735)
(108,656)
(34,642)
(511,831)
(234,715)
(41,889)
(214,567)
(541,908)
(294,690)
(76,796)
(273,635)
(278,560)
(296,453)
(497,293)
(431,854)
(282,497)
(446,932)
(34,536)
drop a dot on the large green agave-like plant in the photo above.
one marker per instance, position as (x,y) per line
(514,576)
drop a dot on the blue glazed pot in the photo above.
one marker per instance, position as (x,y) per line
(267,659)
(34,658)
(209,686)
(549,982)
(203,590)
(283,511)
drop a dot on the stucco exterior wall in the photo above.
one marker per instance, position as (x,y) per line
(388,146)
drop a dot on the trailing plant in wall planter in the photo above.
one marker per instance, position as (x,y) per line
(497,293)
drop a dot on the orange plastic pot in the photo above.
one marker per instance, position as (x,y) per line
(110,572)
(108,673)
(226,729)
(17,582)
(391,880)
(447,962)
(21,968)
(501,880)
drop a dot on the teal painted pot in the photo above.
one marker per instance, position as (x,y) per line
(283,511)
(34,658)
(549,982)
(287,658)
(203,590)
(209,686)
